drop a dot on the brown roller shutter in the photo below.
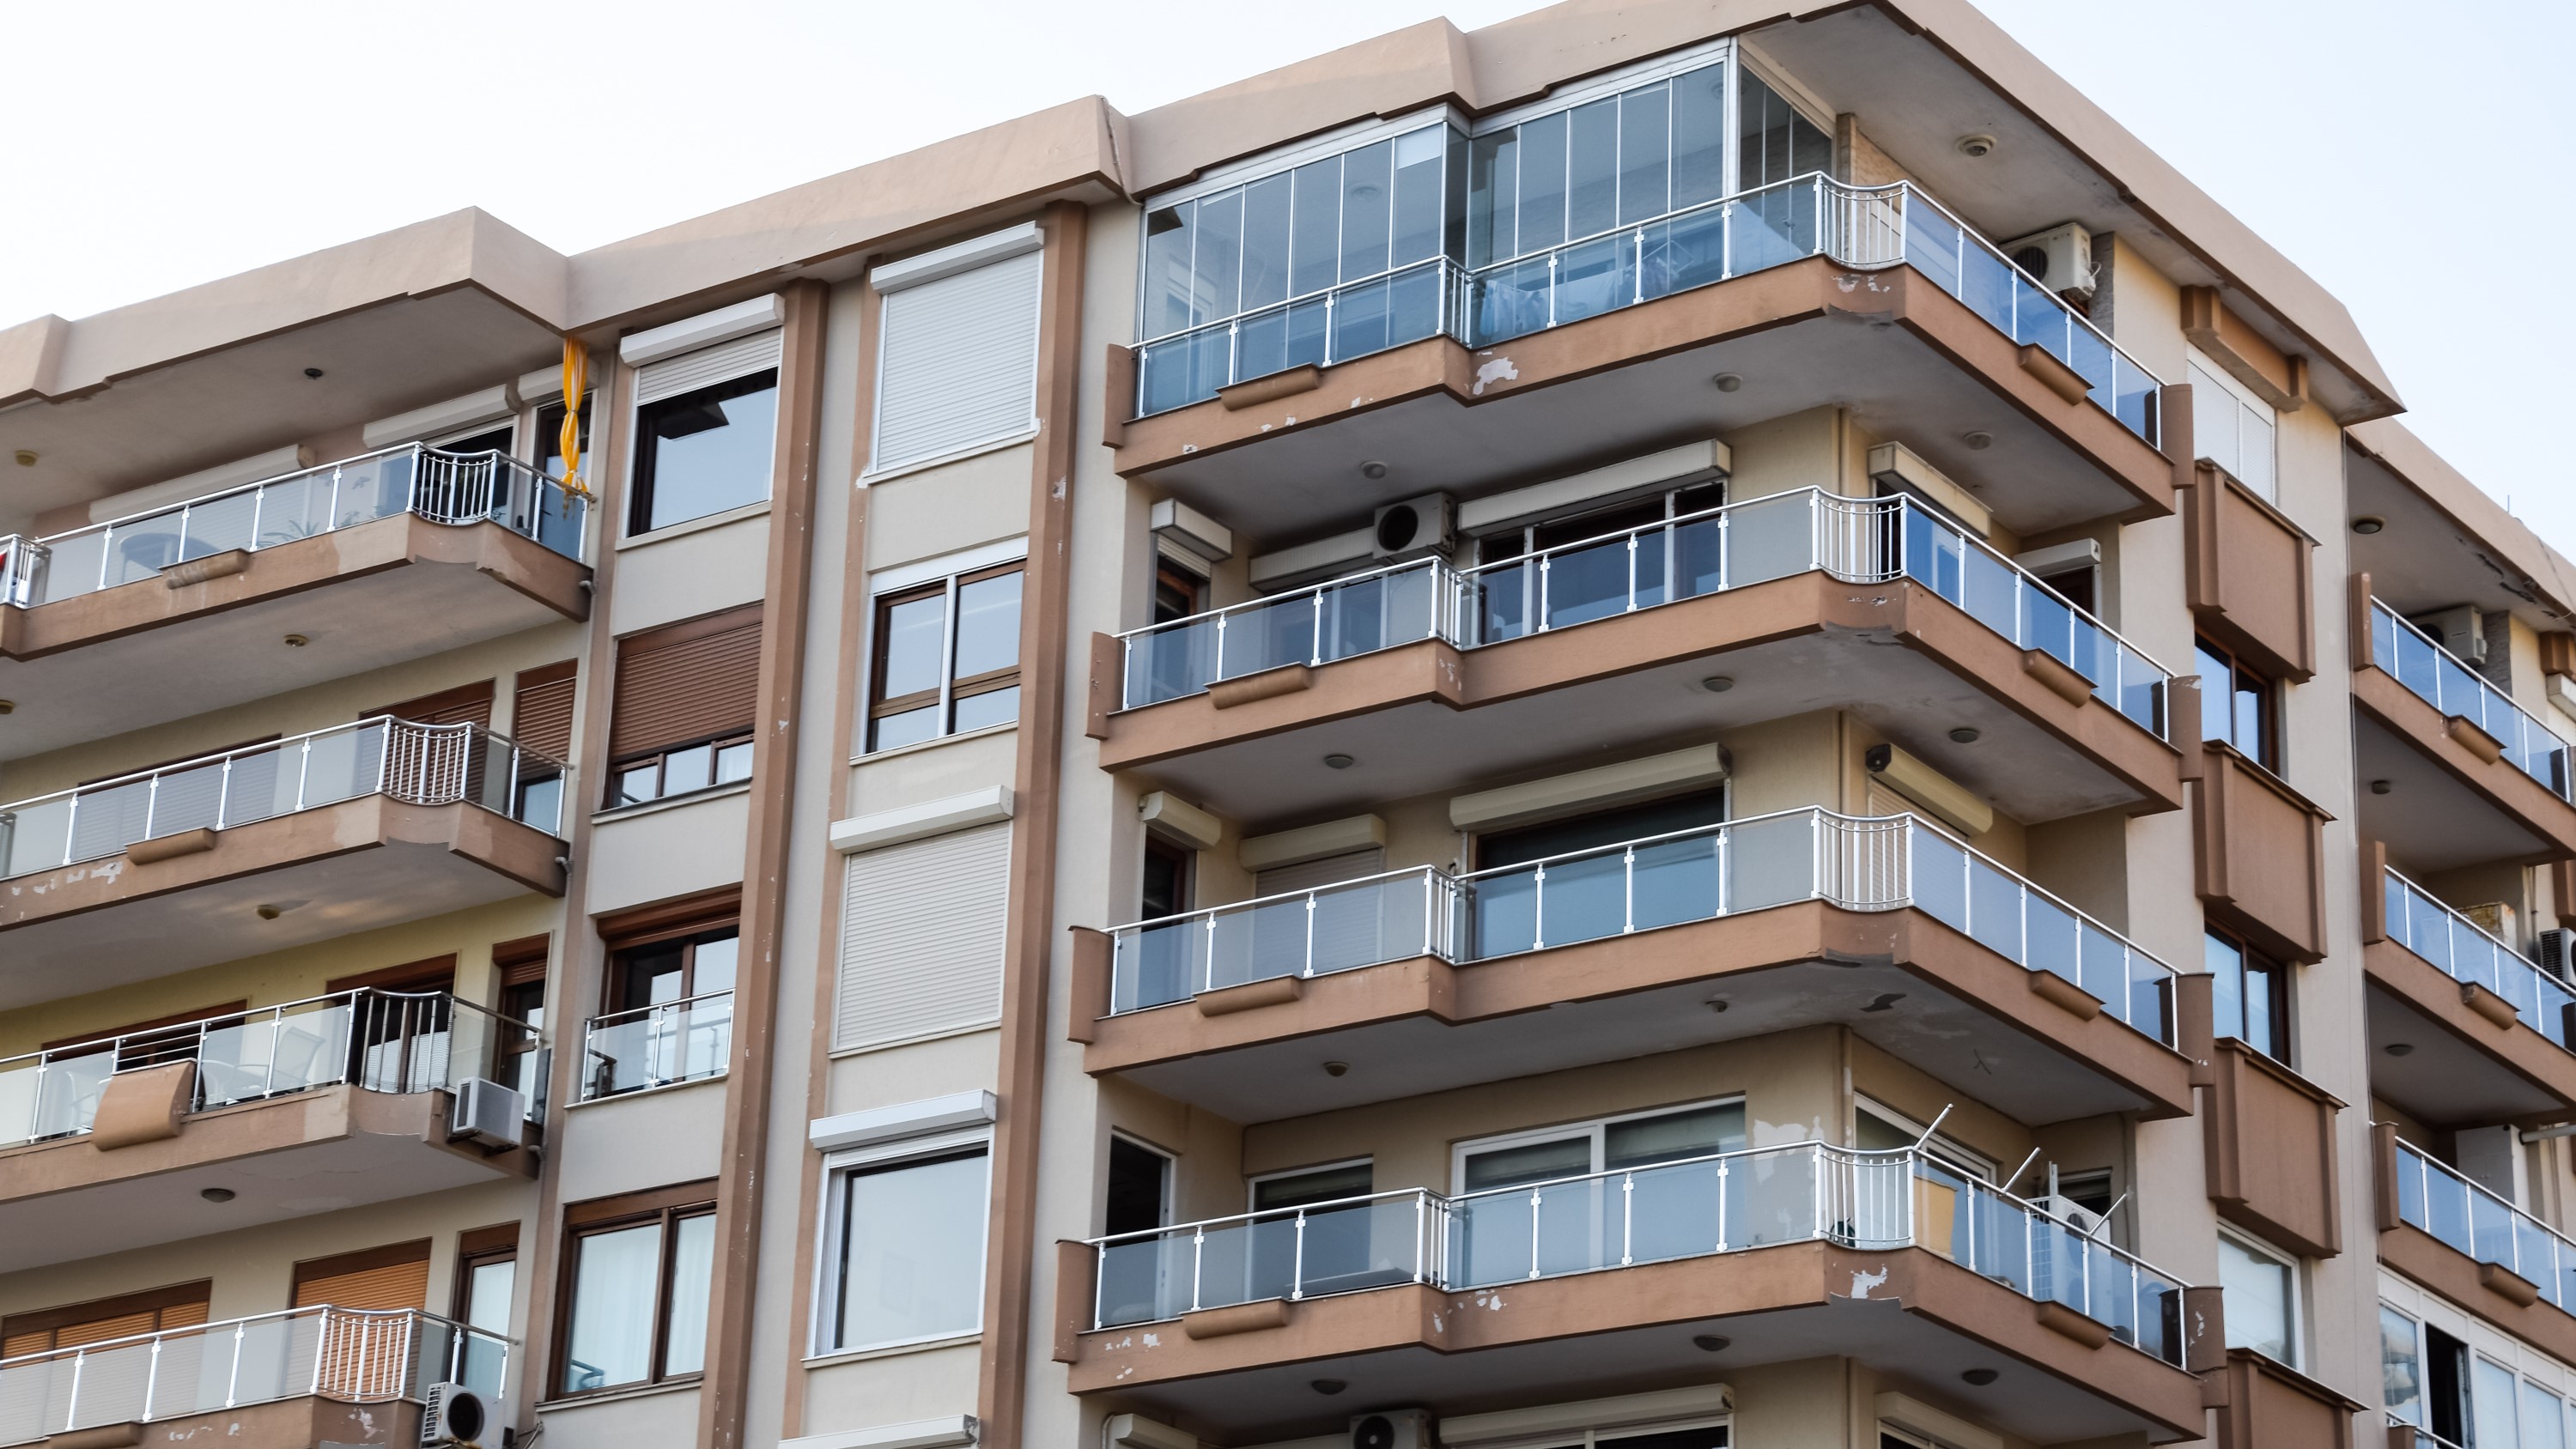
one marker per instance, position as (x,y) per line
(686,682)
(379,1278)
(179,1306)
(465,704)
(541,715)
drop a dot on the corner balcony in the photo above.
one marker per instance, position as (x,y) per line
(1420,981)
(276,845)
(2474,1248)
(2475,776)
(370,561)
(1811,291)
(1460,1303)
(1433,678)
(2489,1035)
(347,1096)
(306,1376)
(662,1045)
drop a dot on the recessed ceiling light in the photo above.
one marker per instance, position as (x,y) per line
(2366,524)
(1718,1003)
(297,641)
(1976,147)
(8,706)
(1728,381)
(1338,762)
(1710,1342)
(1372,471)
(1977,439)
(1979,1377)
(216,1194)
(1328,1387)
(1965,735)
(2399,1048)
(1336,1069)
(2380,787)
(26,457)
(1718,683)
(312,372)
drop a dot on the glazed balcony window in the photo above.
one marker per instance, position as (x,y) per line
(2235,430)
(2443,680)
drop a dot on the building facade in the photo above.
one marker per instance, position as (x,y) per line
(1655,727)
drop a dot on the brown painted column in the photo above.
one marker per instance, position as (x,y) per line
(1010,1253)
(741,1175)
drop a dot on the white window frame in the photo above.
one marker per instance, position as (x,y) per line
(1957,1154)
(2296,1311)
(1589,1438)
(2197,364)
(1597,1129)
(634,429)
(1252,1184)
(2530,1366)
(1171,1170)
(824,1330)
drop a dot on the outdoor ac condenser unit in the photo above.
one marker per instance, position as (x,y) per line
(1393,1429)
(2061,257)
(2556,950)
(455,1414)
(487,1112)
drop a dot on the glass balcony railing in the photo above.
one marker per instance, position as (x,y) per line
(1691,1208)
(348,1355)
(1856,540)
(2434,675)
(2463,949)
(417,764)
(2483,1226)
(1862,227)
(451,488)
(379,1041)
(1862,864)
(657,1045)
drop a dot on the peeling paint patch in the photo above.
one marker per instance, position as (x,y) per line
(1863,1282)
(1153,1340)
(1498,370)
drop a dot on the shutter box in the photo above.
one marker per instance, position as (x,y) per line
(688,681)
(957,361)
(922,931)
(708,366)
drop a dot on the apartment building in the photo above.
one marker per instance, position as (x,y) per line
(1658,727)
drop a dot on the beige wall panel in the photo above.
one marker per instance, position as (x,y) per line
(2084,859)
(665,853)
(645,1139)
(686,574)
(900,1388)
(1801,1405)
(1786,764)
(2146,312)
(933,772)
(975,500)
(664,1420)
(1896,1084)
(1207,1151)
(1802,450)
(890,1076)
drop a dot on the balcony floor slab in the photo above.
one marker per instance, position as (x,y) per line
(2446,806)
(2461,1069)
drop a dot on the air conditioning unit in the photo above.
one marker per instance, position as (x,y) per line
(2495,918)
(487,1112)
(2462,630)
(2558,952)
(1394,1429)
(1414,527)
(455,1414)
(2061,257)
(2070,1212)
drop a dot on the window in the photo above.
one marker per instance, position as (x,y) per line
(1591,583)
(465,704)
(669,1011)
(1607,827)
(909,1235)
(921,938)
(675,970)
(703,452)
(2250,995)
(2262,1291)
(2234,428)
(559,516)
(1307,1186)
(687,699)
(487,1276)
(947,658)
(957,348)
(1178,593)
(2464,1395)
(2401,1369)
(1167,880)
(1642,1140)
(685,770)
(541,723)
(157,1310)
(636,1278)
(2238,705)
(1140,1187)
(521,965)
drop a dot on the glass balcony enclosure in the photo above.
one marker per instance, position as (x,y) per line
(1690,1208)
(1856,863)
(417,764)
(378,1041)
(657,1045)
(1856,540)
(2484,1226)
(2463,950)
(449,488)
(2441,679)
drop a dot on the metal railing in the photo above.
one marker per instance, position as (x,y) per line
(657,1045)
(2465,951)
(1350,319)
(1854,862)
(2484,1226)
(380,1041)
(1855,540)
(1690,1208)
(449,488)
(348,1355)
(1863,227)
(2441,679)
(417,764)
(2423,1436)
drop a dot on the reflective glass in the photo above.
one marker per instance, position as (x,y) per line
(912,1251)
(706,451)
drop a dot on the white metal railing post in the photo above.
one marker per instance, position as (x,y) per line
(71,1400)
(1537,1199)
(1198,1264)
(232,1376)
(1309,968)
(1297,1259)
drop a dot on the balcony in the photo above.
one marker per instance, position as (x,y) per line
(2488,1034)
(345,1094)
(1456,1302)
(1427,981)
(2473,1247)
(370,561)
(318,835)
(1432,678)
(661,1045)
(1611,339)
(2474,776)
(306,1376)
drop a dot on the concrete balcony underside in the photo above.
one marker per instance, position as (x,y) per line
(1916,1318)
(2447,806)
(283,1157)
(1958,1011)
(335,870)
(364,597)
(1427,717)
(2464,1068)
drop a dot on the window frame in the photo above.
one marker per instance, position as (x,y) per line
(659,760)
(483,1248)
(2283,1002)
(2294,1315)
(951,688)
(666,1207)
(831,1264)
(1598,1129)
(1171,1163)
(639,474)
(1252,1182)
(2269,752)
(614,979)
(2198,365)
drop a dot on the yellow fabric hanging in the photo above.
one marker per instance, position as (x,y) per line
(576,367)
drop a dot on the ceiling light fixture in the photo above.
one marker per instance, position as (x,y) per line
(1977,147)
(1372,471)
(216,1194)
(2399,1048)
(26,457)
(1328,1387)
(2380,787)
(1977,439)
(1965,735)
(1710,1342)
(8,706)
(312,372)
(1728,381)
(1338,762)
(1979,1378)
(297,641)
(1718,683)
(2365,525)
(1337,1069)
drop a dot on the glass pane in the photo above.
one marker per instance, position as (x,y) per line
(1542,209)
(2258,1297)
(1216,282)
(988,624)
(1417,194)
(709,450)
(614,1279)
(689,769)
(1368,209)
(1493,196)
(1315,229)
(1699,136)
(1771,862)
(1169,234)
(1265,242)
(1645,153)
(913,1251)
(992,707)
(1675,881)
(1592,161)
(693,1261)
(2400,1369)
(913,631)
(1583,899)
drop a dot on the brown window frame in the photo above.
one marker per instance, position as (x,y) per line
(473,699)
(155,1301)
(431,974)
(716,746)
(667,1207)
(951,687)
(479,1248)
(2270,751)
(1192,587)
(649,747)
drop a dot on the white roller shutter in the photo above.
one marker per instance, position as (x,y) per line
(708,366)
(957,362)
(922,927)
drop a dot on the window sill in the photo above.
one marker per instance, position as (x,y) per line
(662,1090)
(670,802)
(892,1350)
(671,531)
(873,477)
(918,746)
(620,1394)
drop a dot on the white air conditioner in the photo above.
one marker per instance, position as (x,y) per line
(2462,630)
(1414,527)
(1393,1429)
(487,1112)
(2061,257)
(2070,1212)
(455,1414)
(2558,952)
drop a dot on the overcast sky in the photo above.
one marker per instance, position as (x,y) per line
(161,145)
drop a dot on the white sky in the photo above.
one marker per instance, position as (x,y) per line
(160,145)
